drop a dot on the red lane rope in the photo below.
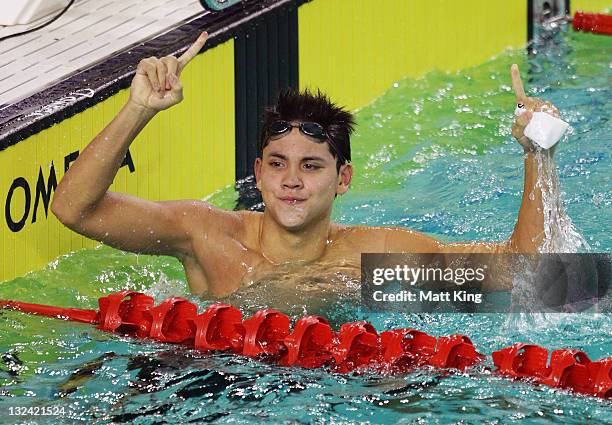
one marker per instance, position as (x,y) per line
(597,23)
(313,343)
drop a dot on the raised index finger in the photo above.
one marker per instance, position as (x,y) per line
(517,84)
(193,50)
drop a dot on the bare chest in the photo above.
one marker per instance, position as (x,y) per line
(229,266)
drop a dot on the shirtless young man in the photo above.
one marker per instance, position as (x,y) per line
(300,172)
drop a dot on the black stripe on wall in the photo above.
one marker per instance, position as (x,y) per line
(529,20)
(265,61)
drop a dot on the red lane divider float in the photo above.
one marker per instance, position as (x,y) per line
(571,369)
(597,23)
(313,343)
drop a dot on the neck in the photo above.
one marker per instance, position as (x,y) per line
(279,245)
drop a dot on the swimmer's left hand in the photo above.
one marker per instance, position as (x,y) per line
(531,105)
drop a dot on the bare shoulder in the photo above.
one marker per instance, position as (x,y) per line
(202,216)
(247,222)
(406,240)
(201,224)
(387,239)
(218,244)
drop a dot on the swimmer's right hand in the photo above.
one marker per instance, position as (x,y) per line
(156,85)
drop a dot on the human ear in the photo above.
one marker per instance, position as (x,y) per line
(344,179)
(257,169)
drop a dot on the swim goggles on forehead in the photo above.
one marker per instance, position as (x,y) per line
(308,128)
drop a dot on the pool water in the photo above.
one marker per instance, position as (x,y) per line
(434,154)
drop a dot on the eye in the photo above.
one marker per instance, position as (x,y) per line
(276,164)
(309,166)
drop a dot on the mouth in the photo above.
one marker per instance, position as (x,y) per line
(291,200)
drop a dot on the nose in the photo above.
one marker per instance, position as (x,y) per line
(291,179)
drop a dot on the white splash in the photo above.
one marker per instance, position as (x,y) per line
(560,234)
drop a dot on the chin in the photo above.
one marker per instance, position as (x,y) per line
(290,219)
(292,222)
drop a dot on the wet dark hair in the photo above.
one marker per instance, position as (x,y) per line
(293,105)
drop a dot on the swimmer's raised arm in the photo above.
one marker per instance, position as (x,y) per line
(82,200)
(528,234)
